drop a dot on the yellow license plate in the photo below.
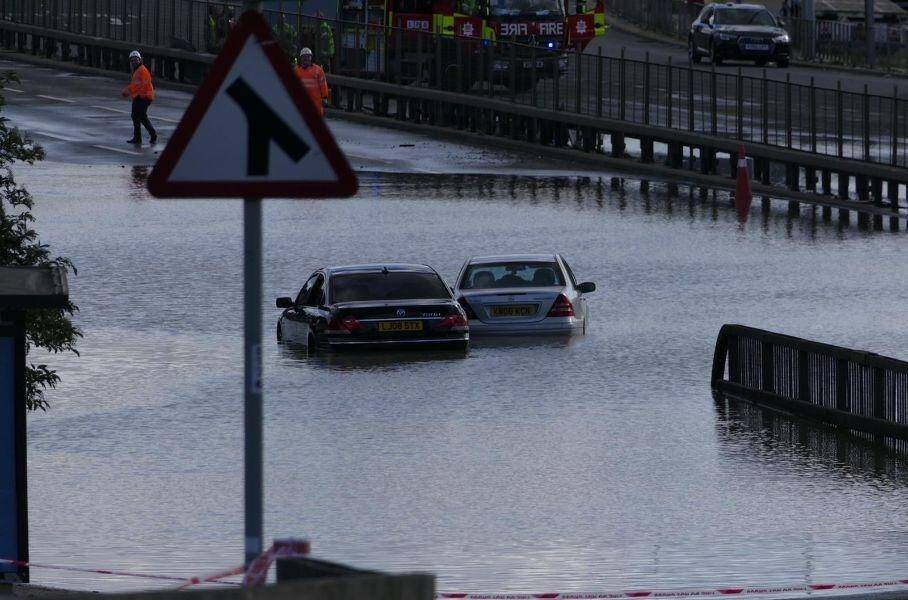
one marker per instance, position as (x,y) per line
(518,310)
(400,326)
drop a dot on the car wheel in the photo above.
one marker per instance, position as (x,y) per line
(714,57)
(280,334)
(783,63)
(692,53)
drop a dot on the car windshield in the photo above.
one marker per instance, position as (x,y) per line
(745,16)
(538,8)
(511,275)
(394,285)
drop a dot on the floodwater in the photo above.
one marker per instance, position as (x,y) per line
(594,464)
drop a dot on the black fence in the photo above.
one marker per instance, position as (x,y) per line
(856,390)
(828,121)
(834,42)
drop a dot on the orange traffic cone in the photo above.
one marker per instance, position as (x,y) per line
(743,195)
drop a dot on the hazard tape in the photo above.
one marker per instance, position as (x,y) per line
(254,576)
(257,573)
(723,591)
(184,580)
(258,568)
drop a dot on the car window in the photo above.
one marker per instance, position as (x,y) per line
(706,14)
(393,285)
(512,274)
(570,271)
(316,296)
(744,16)
(304,293)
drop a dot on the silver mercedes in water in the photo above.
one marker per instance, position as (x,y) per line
(517,294)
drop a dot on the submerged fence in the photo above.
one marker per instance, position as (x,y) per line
(856,390)
(828,121)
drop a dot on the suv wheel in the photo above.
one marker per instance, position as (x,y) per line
(692,53)
(714,57)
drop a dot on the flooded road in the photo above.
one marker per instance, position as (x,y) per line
(593,464)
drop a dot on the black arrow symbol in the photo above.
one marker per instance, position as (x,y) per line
(264,125)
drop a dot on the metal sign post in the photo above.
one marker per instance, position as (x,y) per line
(252,132)
(252,350)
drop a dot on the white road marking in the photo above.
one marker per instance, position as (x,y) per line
(126,112)
(67,100)
(120,150)
(107,108)
(55,136)
(9,89)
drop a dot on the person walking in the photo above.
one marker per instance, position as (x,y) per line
(313,79)
(141,91)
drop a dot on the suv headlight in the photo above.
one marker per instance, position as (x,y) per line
(782,39)
(726,37)
(501,65)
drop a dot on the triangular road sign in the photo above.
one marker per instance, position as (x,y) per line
(251,131)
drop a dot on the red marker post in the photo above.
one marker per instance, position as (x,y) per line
(743,194)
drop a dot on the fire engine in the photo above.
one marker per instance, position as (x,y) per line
(400,37)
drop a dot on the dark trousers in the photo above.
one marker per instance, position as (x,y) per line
(140,117)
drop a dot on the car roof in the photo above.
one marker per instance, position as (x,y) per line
(378,268)
(479,260)
(743,6)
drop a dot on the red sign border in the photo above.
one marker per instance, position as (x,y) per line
(251,23)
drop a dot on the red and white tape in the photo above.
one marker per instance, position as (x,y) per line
(258,569)
(255,575)
(723,591)
(184,580)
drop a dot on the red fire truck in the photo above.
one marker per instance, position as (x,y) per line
(400,36)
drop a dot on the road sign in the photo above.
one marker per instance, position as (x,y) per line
(252,131)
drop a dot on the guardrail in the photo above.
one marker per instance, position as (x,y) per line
(833,42)
(839,149)
(855,390)
(833,122)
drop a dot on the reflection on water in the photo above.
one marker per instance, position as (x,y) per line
(581,464)
(364,359)
(803,440)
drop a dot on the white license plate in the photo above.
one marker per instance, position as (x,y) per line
(528,64)
(757,47)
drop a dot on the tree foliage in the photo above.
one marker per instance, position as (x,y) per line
(50,329)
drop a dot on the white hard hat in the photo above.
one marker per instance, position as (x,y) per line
(135,54)
(306,51)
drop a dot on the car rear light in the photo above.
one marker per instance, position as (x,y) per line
(466,307)
(347,324)
(452,321)
(562,307)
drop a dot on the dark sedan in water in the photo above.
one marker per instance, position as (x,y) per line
(361,306)
(738,31)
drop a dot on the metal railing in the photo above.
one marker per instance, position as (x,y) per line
(857,390)
(826,121)
(834,42)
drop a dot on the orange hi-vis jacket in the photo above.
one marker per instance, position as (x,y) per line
(313,79)
(140,84)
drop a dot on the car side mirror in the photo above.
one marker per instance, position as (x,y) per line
(782,23)
(586,287)
(284,302)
